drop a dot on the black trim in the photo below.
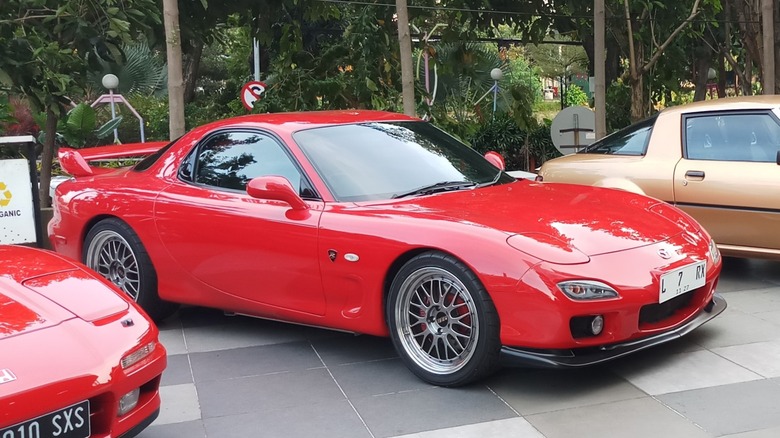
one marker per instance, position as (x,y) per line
(580,357)
(728,207)
(138,428)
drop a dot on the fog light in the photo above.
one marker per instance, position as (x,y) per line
(128,402)
(597,325)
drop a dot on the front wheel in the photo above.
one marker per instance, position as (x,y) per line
(442,321)
(113,250)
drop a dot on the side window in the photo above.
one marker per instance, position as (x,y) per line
(732,137)
(629,141)
(231,159)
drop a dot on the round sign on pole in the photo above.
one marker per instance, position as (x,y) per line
(251,92)
(573,129)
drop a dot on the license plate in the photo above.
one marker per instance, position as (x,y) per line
(70,422)
(682,280)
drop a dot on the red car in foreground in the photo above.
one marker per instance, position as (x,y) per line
(378,223)
(77,358)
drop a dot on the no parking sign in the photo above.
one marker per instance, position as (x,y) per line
(251,93)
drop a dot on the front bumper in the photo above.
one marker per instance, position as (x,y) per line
(579,357)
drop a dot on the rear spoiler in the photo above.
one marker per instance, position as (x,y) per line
(75,162)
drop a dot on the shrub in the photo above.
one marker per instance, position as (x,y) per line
(574,95)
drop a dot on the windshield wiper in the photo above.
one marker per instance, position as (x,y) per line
(490,183)
(437,187)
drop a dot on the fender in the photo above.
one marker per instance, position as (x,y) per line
(620,184)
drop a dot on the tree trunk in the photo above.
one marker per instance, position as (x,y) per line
(175,81)
(637,98)
(407,68)
(721,76)
(47,156)
(777,48)
(702,65)
(191,69)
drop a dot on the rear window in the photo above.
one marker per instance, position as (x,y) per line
(628,141)
(151,159)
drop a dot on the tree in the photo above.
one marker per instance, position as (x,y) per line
(175,80)
(46,47)
(407,69)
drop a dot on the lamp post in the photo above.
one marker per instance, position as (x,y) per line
(497,75)
(111,82)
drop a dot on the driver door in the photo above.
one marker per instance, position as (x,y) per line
(237,245)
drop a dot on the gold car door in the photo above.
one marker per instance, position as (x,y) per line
(729,179)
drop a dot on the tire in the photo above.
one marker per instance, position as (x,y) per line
(113,250)
(442,321)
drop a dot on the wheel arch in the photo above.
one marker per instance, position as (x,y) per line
(402,259)
(88,225)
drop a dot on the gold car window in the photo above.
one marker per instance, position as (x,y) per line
(753,137)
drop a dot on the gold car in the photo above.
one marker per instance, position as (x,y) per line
(719,160)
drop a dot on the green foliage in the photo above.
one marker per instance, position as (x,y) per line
(79,125)
(503,135)
(618,109)
(574,95)
(140,72)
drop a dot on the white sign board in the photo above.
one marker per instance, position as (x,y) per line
(17,215)
(573,129)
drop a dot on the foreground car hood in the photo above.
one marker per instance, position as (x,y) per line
(40,289)
(591,219)
(22,311)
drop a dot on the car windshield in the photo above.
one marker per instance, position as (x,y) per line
(386,160)
(631,140)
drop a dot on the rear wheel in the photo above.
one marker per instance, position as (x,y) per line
(113,250)
(442,321)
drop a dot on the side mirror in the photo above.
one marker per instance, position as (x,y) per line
(495,159)
(277,188)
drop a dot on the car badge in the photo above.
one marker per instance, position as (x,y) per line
(128,322)
(6,376)
(664,254)
(332,254)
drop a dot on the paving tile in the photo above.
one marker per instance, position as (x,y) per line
(772,432)
(755,301)
(178,370)
(734,327)
(536,391)
(729,409)
(636,418)
(179,404)
(189,429)
(272,391)
(376,378)
(321,420)
(347,349)
(661,374)
(253,361)
(173,340)
(511,427)
(759,357)
(430,409)
(242,331)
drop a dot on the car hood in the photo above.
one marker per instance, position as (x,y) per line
(39,289)
(591,220)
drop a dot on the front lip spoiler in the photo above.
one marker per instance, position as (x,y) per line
(579,357)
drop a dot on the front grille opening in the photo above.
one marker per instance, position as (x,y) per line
(653,313)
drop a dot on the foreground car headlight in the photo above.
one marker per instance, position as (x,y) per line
(714,251)
(138,355)
(586,290)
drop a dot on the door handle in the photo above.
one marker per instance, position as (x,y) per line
(697,174)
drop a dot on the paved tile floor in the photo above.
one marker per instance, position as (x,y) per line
(244,377)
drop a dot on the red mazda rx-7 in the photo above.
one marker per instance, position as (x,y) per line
(374,222)
(77,357)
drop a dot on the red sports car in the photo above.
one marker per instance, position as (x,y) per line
(375,222)
(77,357)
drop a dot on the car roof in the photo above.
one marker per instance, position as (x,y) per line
(728,103)
(295,121)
